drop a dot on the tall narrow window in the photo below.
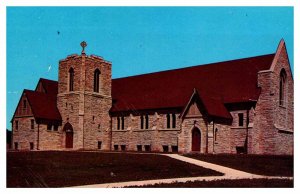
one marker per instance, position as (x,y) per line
(49,127)
(282,87)
(31,145)
(241,119)
(173,120)
(55,127)
(71,79)
(118,123)
(142,122)
(32,123)
(123,125)
(17,125)
(168,121)
(96,80)
(146,122)
(216,134)
(99,145)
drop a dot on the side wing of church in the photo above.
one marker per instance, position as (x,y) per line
(239,106)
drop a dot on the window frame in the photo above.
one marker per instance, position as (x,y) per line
(282,88)
(146,122)
(139,148)
(16,125)
(142,122)
(71,79)
(31,145)
(97,80)
(49,127)
(168,121)
(118,123)
(240,119)
(173,120)
(116,147)
(99,145)
(216,134)
(55,127)
(31,123)
(165,148)
(122,123)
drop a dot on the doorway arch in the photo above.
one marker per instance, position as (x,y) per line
(196,140)
(68,129)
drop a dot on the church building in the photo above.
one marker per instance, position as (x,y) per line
(238,106)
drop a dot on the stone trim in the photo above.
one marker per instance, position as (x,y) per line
(85,93)
(265,71)
(241,127)
(174,129)
(142,130)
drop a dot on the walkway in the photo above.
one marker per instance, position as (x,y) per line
(229,173)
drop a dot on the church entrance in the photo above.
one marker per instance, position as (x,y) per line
(196,139)
(69,135)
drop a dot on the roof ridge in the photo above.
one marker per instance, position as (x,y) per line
(202,65)
(48,79)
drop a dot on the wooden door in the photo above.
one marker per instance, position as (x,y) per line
(196,139)
(69,139)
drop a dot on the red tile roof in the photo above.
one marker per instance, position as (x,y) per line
(218,83)
(43,105)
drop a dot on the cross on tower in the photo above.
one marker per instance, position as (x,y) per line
(83,44)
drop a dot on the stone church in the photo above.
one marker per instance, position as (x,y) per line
(238,106)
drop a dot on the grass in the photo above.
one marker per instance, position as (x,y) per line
(241,183)
(61,168)
(257,164)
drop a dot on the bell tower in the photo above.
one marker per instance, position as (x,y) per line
(84,99)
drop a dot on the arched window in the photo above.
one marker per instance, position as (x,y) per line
(71,79)
(282,87)
(216,134)
(96,80)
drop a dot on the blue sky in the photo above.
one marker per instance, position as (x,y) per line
(137,39)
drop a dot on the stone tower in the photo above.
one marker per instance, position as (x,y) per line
(84,100)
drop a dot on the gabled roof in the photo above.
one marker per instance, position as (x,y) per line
(223,82)
(50,86)
(43,105)
(213,107)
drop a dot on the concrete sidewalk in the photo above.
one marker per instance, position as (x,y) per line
(229,174)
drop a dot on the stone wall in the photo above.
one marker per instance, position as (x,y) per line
(224,141)
(97,122)
(24,135)
(273,124)
(193,119)
(157,135)
(50,139)
(87,111)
